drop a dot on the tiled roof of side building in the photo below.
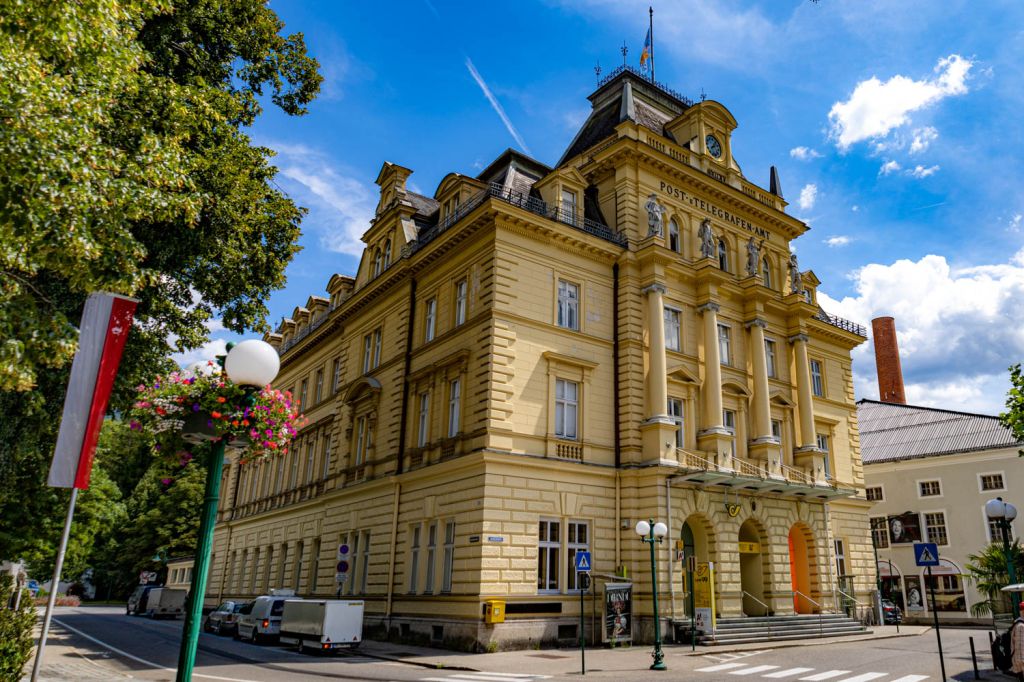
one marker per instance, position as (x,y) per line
(891,432)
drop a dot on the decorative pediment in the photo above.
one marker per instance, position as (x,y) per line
(778,398)
(735,388)
(365,387)
(682,375)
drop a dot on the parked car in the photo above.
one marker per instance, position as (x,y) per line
(322,624)
(262,622)
(222,620)
(891,614)
(137,600)
(165,602)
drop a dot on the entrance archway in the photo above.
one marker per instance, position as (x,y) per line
(694,534)
(752,578)
(802,564)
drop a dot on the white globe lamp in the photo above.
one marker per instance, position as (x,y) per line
(660,530)
(252,363)
(643,528)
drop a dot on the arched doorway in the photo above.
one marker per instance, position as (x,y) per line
(752,578)
(694,534)
(802,564)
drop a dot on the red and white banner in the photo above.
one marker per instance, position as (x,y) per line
(106,320)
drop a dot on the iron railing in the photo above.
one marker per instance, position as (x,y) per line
(845,325)
(637,72)
(821,626)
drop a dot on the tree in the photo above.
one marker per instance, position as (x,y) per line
(15,629)
(988,570)
(1013,418)
(124,166)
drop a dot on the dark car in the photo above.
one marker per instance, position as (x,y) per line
(223,620)
(891,614)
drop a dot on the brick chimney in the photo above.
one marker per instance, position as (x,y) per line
(887,361)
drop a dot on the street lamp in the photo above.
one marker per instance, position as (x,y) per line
(1005,513)
(251,364)
(651,532)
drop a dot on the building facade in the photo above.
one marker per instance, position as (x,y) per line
(929,473)
(530,361)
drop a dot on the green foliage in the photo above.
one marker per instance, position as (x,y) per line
(15,630)
(988,571)
(1013,418)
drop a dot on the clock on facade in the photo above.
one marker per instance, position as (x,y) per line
(714,146)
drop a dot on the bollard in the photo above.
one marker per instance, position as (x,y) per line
(974,660)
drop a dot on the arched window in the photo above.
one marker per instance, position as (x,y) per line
(377,261)
(387,255)
(723,256)
(674,242)
(766,273)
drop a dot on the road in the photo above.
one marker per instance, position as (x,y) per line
(147,650)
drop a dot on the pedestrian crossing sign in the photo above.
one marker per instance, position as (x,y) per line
(582,562)
(926,553)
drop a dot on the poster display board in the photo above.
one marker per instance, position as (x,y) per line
(904,528)
(618,612)
(704,597)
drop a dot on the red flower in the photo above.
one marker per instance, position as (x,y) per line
(215,415)
(221,399)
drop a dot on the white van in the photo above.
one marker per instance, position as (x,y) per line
(165,602)
(262,620)
(322,624)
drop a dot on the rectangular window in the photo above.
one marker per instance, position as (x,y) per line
(569,205)
(817,386)
(430,323)
(873,493)
(303,392)
(991,482)
(279,478)
(454,407)
(769,356)
(935,527)
(675,411)
(335,375)
(879,532)
(376,348)
(930,488)
(414,559)
(673,330)
(578,541)
(724,345)
(367,353)
(428,587)
(729,422)
(568,305)
(460,302)
(293,480)
(423,431)
(449,556)
(327,456)
(361,438)
(318,389)
(548,547)
(674,242)
(777,430)
(310,460)
(827,459)
(566,408)
(840,558)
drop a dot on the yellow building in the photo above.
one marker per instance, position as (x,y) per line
(534,359)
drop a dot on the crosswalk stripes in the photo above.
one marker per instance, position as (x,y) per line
(825,675)
(485,677)
(774,672)
(720,667)
(788,673)
(754,670)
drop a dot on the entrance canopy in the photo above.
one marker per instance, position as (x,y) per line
(745,475)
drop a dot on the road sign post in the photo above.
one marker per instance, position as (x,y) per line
(927,554)
(582,583)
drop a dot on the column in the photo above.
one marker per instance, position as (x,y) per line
(658,430)
(761,410)
(712,367)
(805,401)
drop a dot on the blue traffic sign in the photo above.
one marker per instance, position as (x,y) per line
(926,553)
(582,562)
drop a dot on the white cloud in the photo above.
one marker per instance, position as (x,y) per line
(855,208)
(803,153)
(889,167)
(808,195)
(838,240)
(875,107)
(1015,222)
(496,105)
(920,171)
(208,351)
(958,328)
(923,137)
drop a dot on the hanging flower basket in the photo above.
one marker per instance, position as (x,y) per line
(184,407)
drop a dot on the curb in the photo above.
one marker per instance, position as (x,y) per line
(421,664)
(802,642)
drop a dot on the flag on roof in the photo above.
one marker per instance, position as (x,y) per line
(645,55)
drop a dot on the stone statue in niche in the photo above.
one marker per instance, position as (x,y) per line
(707,239)
(795,283)
(753,257)
(655,213)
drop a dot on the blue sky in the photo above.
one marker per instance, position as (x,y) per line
(896,127)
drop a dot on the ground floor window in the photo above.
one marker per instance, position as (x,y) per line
(949,592)
(579,541)
(548,548)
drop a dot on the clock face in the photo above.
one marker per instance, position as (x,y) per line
(714,146)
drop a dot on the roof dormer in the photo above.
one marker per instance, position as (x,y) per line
(707,128)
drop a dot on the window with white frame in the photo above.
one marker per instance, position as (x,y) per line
(414,558)
(548,549)
(817,385)
(293,480)
(423,427)
(361,440)
(428,587)
(873,493)
(377,337)
(827,458)
(991,482)
(929,488)
(724,345)
(674,242)
(723,256)
(318,392)
(367,353)
(303,392)
(675,412)
(310,459)
(578,540)
(568,305)
(454,407)
(430,323)
(729,422)
(935,527)
(879,532)
(387,254)
(769,357)
(766,273)
(461,288)
(673,330)
(569,203)
(840,546)
(777,430)
(448,562)
(378,261)
(566,408)
(327,456)
(335,375)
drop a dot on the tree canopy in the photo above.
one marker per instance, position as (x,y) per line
(1013,418)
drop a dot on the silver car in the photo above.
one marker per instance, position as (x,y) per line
(222,619)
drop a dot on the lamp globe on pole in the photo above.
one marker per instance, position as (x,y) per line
(643,529)
(252,363)
(660,530)
(1005,513)
(651,533)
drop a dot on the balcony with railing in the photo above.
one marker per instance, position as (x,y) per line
(753,475)
(840,323)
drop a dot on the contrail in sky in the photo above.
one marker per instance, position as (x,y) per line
(496,105)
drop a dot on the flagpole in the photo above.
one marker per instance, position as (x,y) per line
(54,584)
(650,11)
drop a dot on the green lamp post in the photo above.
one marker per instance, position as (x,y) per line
(1004,513)
(251,364)
(651,532)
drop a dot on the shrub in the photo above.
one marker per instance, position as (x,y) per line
(15,630)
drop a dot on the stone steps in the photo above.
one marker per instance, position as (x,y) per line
(774,629)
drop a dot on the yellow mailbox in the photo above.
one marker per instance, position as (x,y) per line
(494,611)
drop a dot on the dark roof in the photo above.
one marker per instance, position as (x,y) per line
(497,169)
(892,432)
(423,205)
